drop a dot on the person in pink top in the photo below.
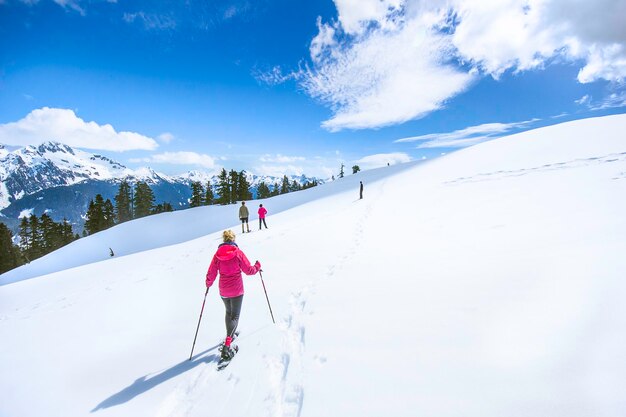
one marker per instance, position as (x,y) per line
(230,262)
(262,212)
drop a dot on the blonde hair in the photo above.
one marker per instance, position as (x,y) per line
(228,236)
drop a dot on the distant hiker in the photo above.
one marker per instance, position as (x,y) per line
(262,213)
(361,191)
(230,262)
(111,252)
(243,216)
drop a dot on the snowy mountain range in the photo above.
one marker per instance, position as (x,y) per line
(60,180)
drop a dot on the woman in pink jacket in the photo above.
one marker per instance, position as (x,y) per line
(262,212)
(230,262)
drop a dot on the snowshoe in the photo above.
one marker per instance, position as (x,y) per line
(227,355)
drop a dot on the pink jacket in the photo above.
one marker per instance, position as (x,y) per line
(230,261)
(262,212)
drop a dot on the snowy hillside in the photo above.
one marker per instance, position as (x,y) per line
(485,283)
(175,227)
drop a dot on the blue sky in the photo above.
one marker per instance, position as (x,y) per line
(283,87)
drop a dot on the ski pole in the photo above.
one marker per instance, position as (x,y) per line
(198,328)
(266,297)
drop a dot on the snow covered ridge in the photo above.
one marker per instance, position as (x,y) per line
(59,180)
(31,169)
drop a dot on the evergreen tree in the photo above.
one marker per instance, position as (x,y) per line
(309,184)
(276,190)
(294,186)
(233,181)
(209,198)
(162,208)
(10,256)
(197,194)
(51,234)
(90,219)
(24,235)
(284,188)
(124,203)
(223,187)
(341,171)
(108,214)
(243,187)
(36,237)
(95,215)
(356,169)
(263,191)
(67,234)
(144,199)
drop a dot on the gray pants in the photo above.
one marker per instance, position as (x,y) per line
(233,309)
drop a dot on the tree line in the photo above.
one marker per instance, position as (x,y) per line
(130,203)
(39,236)
(233,186)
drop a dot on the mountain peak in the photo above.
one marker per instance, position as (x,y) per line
(53,146)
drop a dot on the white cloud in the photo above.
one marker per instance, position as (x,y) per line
(181,158)
(613,100)
(586,99)
(385,62)
(233,11)
(522,34)
(279,165)
(369,83)
(278,158)
(355,15)
(323,41)
(166,137)
(468,136)
(151,21)
(64,126)
(279,170)
(382,159)
(71,4)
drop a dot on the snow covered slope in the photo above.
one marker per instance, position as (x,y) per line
(179,226)
(485,283)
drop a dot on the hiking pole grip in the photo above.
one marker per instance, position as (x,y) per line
(198,328)
(266,297)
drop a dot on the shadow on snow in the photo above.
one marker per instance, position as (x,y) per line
(144,384)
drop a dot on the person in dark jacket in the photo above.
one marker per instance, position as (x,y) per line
(361,191)
(230,262)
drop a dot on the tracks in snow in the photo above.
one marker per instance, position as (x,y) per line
(287,370)
(576,163)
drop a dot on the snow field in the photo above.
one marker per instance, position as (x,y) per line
(485,283)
